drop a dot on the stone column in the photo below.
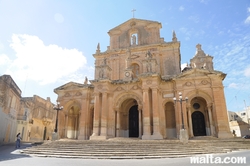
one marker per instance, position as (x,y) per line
(75,126)
(96,129)
(156,119)
(190,122)
(140,122)
(118,123)
(146,115)
(104,114)
(210,120)
(114,123)
(66,125)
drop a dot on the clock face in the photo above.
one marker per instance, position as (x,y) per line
(127,74)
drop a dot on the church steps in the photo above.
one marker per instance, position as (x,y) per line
(133,149)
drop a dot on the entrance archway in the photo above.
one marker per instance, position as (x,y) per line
(198,122)
(73,122)
(133,121)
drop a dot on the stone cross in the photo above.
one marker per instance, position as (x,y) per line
(133,12)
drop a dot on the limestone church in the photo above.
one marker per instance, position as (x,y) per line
(135,82)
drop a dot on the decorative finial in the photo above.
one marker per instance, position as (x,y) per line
(174,39)
(133,12)
(98,46)
(199,51)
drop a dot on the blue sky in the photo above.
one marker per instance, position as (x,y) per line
(45,44)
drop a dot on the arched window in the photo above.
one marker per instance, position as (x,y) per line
(134,39)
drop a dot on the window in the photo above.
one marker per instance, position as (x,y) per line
(243,114)
(134,39)
(196,105)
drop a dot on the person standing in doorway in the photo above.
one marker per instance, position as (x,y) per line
(18,140)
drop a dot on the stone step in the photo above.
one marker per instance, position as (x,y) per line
(131,149)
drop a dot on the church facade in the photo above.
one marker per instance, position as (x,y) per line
(133,90)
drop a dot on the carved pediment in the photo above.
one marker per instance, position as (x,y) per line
(133,23)
(200,73)
(70,86)
(78,93)
(67,94)
(119,89)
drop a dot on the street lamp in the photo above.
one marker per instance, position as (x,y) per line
(57,108)
(181,100)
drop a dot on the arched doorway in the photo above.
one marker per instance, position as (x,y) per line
(133,121)
(198,122)
(73,122)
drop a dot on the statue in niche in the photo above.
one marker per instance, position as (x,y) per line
(149,67)
(101,73)
(133,40)
(86,81)
(105,61)
(148,55)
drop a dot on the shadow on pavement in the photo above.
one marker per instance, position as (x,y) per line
(9,151)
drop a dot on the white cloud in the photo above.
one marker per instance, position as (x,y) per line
(4,60)
(247,72)
(183,65)
(247,21)
(1,46)
(181,8)
(204,1)
(233,85)
(41,63)
(248,9)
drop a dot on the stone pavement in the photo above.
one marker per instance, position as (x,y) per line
(9,151)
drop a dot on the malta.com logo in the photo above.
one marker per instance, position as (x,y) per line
(210,159)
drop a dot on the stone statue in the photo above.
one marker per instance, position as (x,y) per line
(149,67)
(105,61)
(148,55)
(133,40)
(86,81)
(101,73)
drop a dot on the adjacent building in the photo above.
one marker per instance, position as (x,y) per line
(239,122)
(36,119)
(133,88)
(10,95)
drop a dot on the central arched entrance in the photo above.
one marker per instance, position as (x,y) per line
(198,122)
(73,122)
(133,121)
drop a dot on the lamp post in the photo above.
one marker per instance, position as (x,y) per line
(57,107)
(181,100)
(183,133)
